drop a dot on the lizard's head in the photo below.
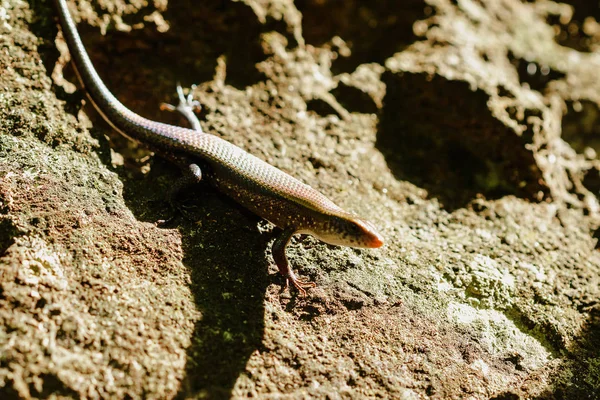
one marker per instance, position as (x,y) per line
(351,231)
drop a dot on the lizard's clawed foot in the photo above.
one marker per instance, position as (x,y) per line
(175,209)
(169,206)
(300,283)
(187,107)
(185,102)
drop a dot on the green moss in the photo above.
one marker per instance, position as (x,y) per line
(593,376)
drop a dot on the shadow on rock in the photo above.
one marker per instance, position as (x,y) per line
(227,261)
(222,247)
(225,255)
(585,382)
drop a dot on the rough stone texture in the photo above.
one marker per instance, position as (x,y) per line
(466,130)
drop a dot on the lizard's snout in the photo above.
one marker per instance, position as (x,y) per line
(371,237)
(376,240)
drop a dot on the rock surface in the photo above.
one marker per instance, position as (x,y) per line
(467,131)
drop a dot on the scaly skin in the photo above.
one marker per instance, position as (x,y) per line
(265,190)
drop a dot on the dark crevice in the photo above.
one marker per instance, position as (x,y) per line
(53,387)
(506,396)
(581,126)
(533,74)
(596,235)
(8,234)
(591,181)
(527,135)
(350,98)
(441,136)
(571,34)
(374,30)
(354,99)
(504,92)
(321,107)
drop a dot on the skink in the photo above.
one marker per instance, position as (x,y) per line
(289,204)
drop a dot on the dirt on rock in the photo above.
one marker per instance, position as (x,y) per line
(467,131)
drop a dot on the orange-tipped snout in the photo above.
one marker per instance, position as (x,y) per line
(372,238)
(369,236)
(376,240)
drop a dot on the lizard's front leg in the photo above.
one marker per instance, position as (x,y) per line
(283,264)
